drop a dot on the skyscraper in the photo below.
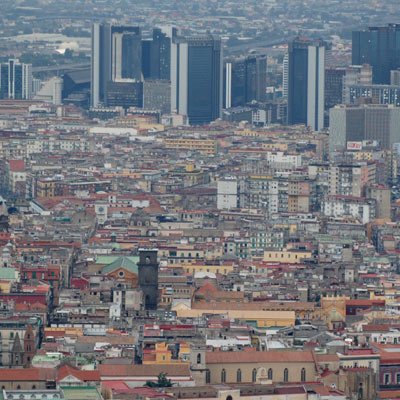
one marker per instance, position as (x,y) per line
(116,56)
(15,80)
(246,80)
(285,76)
(196,77)
(126,50)
(306,83)
(379,47)
(101,62)
(156,59)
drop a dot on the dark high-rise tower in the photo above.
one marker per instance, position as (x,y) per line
(160,66)
(101,62)
(148,277)
(245,80)
(126,51)
(156,61)
(380,48)
(306,83)
(116,56)
(15,80)
(196,77)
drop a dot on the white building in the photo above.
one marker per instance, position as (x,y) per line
(342,206)
(227,193)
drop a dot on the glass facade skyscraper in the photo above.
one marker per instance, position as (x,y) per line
(15,80)
(116,56)
(245,80)
(197,78)
(306,89)
(378,47)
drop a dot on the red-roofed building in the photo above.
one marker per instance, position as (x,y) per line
(16,177)
(259,366)
(69,376)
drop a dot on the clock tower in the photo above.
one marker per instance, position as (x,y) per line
(148,277)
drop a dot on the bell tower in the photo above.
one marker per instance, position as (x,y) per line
(148,277)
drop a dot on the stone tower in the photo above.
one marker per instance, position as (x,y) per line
(148,277)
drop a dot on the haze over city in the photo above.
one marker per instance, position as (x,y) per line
(199,199)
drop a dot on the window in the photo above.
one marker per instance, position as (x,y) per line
(223,376)
(303,375)
(254,375)
(199,358)
(270,374)
(208,376)
(285,375)
(239,376)
(386,378)
(398,378)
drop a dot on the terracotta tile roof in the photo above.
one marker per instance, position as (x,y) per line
(142,370)
(217,357)
(360,302)
(84,376)
(389,394)
(326,358)
(376,327)
(27,375)
(17,165)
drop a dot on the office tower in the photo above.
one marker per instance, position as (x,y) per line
(196,78)
(395,77)
(228,85)
(128,93)
(15,80)
(156,54)
(160,65)
(285,76)
(116,56)
(356,75)
(334,79)
(36,85)
(101,62)
(126,51)
(51,91)
(157,95)
(146,57)
(377,46)
(306,83)
(246,80)
(256,77)
(365,122)
(373,94)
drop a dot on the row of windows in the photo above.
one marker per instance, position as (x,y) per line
(387,379)
(270,375)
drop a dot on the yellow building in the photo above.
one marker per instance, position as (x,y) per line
(275,146)
(46,188)
(286,256)
(161,354)
(205,146)
(215,269)
(260,319)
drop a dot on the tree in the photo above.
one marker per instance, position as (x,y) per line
(162,382)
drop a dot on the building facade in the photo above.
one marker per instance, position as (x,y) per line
(306,90)
(378,47)
(197,78)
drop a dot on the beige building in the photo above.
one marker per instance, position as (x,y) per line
(260,367)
